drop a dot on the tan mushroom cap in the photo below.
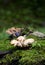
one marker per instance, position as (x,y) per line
(13,30)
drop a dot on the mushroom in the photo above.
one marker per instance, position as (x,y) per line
(21,39)
(13,41)
(28,41)
(16,43)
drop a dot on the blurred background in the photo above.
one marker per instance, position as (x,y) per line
(22,12)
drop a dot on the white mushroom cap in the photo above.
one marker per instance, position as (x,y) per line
(18,44)
(21,38)
(13,41)
(28,41)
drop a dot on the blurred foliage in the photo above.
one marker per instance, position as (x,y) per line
(22,11)
(36,6)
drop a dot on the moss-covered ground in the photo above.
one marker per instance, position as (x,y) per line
(34,55)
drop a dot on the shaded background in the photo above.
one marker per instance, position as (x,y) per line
(22,11)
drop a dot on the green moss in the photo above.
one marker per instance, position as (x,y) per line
(32,55)
(27,56)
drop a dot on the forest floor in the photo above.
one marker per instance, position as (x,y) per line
(33,55)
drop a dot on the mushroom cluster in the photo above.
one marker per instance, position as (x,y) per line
(14,31)
(21,41)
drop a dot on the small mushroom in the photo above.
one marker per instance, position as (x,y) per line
(28,41)
(21,39)
(16,43)
(13,41)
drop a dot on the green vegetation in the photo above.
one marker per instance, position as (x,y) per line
(22,13)
(32,55)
